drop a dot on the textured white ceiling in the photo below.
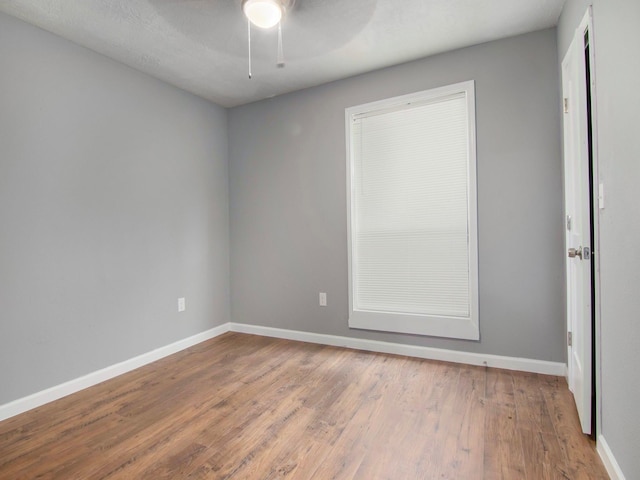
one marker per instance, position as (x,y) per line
(201,45)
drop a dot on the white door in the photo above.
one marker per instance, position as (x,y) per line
(578,226)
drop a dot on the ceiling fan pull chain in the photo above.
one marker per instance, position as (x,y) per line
(280,61)
(249,44)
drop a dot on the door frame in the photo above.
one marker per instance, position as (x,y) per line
(586,26)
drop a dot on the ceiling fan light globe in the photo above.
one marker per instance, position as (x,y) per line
(263,13)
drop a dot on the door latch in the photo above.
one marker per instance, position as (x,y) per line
(583,253)
(573,252)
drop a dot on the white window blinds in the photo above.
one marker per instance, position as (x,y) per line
(410,215)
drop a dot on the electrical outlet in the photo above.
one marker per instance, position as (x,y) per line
(323,299)
(182,306)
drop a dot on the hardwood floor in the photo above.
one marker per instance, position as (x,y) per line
(248,407)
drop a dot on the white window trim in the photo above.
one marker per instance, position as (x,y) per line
(452,327)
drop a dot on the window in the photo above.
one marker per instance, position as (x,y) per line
(412,214)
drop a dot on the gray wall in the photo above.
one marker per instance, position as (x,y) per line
(113,203)
(288,198)
(617,69)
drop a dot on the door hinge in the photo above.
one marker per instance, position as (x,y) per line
(569,339)
(566,105)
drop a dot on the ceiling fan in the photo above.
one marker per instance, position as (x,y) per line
(266,14)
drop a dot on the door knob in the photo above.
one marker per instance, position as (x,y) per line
(575,253)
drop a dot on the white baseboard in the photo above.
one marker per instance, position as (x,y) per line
(610,463)
(496,361)
(510,363)
(54,393)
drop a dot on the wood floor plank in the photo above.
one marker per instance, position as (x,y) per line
(543,455)
(307,448)
(268,407)
(503,453)
(465,434)
(401,419)
(163,437)
(530,404)
(248,407)
(86,406)
(578,449)
(344,457)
